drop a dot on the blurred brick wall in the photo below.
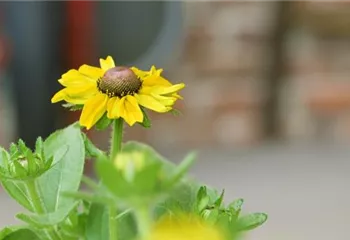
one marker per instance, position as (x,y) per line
(224,62)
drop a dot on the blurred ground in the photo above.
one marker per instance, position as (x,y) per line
(302,188)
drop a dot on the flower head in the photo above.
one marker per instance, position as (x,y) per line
(185,228)
(117,90)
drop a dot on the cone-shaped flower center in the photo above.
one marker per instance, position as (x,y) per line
(119,82)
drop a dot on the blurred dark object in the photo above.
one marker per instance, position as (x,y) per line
(35,30)
(275,74)
(140,33)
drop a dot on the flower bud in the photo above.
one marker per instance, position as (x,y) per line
(21,163)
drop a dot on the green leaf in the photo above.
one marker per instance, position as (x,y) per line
(18,233)
(17,190)
(103,123)
(97,223)
(181,198)
(73,107)
(175,112)
(46,220)
(235,207)
(89,197)
(109,176)
(13,150)
(4,158)
(32,165)
(91,150)
(251,221)
(39,148)
(150,153)
(146,120)
(211,216)
(67,149)
(19,170)
(146,180)
(219,201)
(181,169)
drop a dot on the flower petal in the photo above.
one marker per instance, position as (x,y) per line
(154,80)
(91,72)
(93,110)
(79,95)
(107,64)
(130,110)
(151,103)
(168,90)
(140,73)
(166,101)
(75,78)
(112,111)
(59,96)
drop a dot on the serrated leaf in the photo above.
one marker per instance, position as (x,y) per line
(103,122)
(251,221)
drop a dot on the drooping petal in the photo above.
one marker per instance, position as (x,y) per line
(93,110)
(107,63)
(168,90)
(166,101)
(129,110)
(73,78)
(76,95)
(112,111)
(91,72)
(59,96)
(151,103)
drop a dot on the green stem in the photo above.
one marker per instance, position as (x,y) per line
(143,219)
(39,208)
(112,223)
(117,136)
(116,143)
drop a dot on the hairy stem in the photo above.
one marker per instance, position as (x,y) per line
(116,143)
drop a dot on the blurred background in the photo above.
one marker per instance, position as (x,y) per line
(267,102)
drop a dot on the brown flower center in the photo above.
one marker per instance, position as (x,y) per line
(119,82)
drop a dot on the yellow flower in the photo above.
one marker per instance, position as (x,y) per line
(184,228)
(119,91)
